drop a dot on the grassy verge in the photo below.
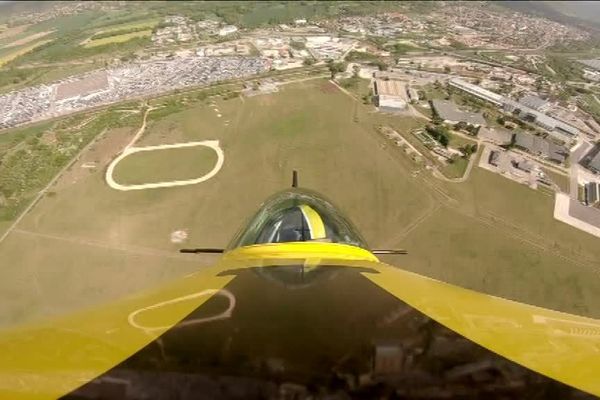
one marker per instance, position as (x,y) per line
(32,156)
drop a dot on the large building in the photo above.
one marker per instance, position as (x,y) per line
(390,95)
(541,147)
(535,102)
(557,128)
(448,111)
(591,160)
(477,91)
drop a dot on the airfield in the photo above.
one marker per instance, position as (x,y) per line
(95,243)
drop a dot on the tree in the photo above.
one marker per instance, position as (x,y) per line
(355,70)
(381,65)
(336,67)
(460,125)
(447,69)
(308,61)
(444,140)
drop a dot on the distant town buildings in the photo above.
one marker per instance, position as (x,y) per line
(122,83)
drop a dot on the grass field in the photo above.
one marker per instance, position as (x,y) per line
(27,39)
(165,165)
(455,169)
(118,38)
(305,127)
(12,55)
(145,24)
(88,244)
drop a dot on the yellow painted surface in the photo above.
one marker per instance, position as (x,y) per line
(299,250)
(317,228)
(18,53)
(118,38)
(53,358)
(562,346)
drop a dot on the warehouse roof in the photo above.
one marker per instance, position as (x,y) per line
(534,102)
(449,112)
(390,88)
(542,147)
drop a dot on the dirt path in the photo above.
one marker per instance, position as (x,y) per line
(144,251)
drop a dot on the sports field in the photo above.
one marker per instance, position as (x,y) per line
(89,243)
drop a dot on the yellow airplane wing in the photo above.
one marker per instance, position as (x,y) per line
(297,306)
(55,358)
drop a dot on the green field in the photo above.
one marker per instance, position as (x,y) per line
(455,169)
(12,54)
(138,25)
(118,38)
(165,165)
(88,244)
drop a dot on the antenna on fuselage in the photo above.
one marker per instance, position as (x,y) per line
(294,179)
(389,252)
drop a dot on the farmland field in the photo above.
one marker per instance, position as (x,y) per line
(139,25)
(14,54)
(488,233)
(117,38)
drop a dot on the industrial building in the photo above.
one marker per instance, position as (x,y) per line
(535,102)
(541,147)
(448,111)
(477,91)
(591,160)
(555,127)
(390,95)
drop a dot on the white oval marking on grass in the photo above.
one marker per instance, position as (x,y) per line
(213,144)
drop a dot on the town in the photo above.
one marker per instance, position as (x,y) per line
(517,115)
